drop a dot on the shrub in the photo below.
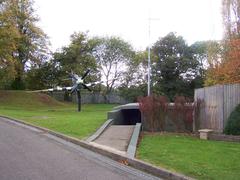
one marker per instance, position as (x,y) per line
(233,123)
(157,111)
(183,112)
(154,110)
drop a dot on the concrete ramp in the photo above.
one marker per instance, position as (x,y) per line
(116,137)
(120,132)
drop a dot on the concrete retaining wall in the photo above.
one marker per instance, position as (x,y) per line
(222,137)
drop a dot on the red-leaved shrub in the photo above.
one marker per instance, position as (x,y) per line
(157,111)
(154,109)
(183,112)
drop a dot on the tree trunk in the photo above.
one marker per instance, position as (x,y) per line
(18,83)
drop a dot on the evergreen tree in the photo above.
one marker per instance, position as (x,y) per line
(175,68)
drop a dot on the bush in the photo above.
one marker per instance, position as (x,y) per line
(233,123)
(157,112)
(183,112)
(154,110)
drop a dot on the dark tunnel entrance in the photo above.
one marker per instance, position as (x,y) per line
(131,116)
(128,114)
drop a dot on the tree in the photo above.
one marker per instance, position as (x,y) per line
(29,43)
(208,54)
(9,36)
(225,68)
(78,57)
(175,67)
(45,75)
(112,56)
(231,18)
(136,73)
(227,71)
(134,81)
(133,92)
(200,53)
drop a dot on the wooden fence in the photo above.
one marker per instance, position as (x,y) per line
(218,103)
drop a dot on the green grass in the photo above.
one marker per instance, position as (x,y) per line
(42,110)
(191,156)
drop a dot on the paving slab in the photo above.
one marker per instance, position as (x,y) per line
(116,136)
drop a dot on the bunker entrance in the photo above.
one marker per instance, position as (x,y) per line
(131,116)
(128,114)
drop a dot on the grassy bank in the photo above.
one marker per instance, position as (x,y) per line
(191,156)
(42,110)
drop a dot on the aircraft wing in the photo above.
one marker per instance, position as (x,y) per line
(58,88)
(94,83)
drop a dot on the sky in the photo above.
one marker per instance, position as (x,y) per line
(195,20)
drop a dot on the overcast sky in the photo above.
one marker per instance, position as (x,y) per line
(195,20)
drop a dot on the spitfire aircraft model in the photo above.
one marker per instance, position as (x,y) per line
(78,84)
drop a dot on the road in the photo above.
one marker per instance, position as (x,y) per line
(30,154)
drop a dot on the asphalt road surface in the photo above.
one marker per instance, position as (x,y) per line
(30,154)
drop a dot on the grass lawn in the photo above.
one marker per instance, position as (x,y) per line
(41,110)
(191,156)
